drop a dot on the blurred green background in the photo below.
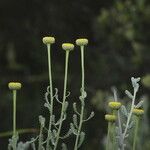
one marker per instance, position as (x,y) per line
(119,48)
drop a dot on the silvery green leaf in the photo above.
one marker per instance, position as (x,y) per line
(64,146)
(75,121)
(46,97)
(23,146)
(133,81)
(67,134)
(128,94)
(65,116)
(73,129)
(82,137)
(124,111)
(48,106)
(54,133)
(52,139)
(136,87)
(53,119)
(124,125)
(137,79)
(117,130)
(131,125)
(139,104)
(58,122)
(56,92)
(126,135)
(117,137)
(48,89)
(68,94)
(42,120)
(33,143)
(80,97)
(91,116)
(84,94)
(75,108)
(33,146)
(66,106)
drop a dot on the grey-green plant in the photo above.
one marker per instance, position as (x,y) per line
(50,138)
(14,86)
(77,125)
(128,117)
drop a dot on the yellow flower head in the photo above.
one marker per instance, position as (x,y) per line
(68,46)
(14,85)
(48,40)
(82,42)
(114,105)
(110,118)
(138,112)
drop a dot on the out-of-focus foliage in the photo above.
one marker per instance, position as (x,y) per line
(122,33)
(146,80)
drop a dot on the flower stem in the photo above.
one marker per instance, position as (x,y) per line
(128,119)
(135,133)
(40,139)
(64,98)
(113,132)
(82,101)
(79,129)
(113,137)
(51,95)
(14,120)
(108,136)
(14,112)
(82,67)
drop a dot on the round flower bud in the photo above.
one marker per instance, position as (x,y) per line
(67,46)
(82,42)
(114,105)
(110,118)
(48,40)
(138,112)
(14,85)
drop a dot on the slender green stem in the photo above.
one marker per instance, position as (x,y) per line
(79,129)
(135,133)
(82,67)
(113,137)
(108,136)
(128,119)
(51,94)
(118,115)
(40,139)
(82,106)
(64,98)
(14,112)
(14,120)
(113,132)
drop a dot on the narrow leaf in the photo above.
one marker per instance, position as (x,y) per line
(82,137)
(139,104)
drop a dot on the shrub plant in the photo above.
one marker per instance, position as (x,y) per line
(122,119)
(50,138)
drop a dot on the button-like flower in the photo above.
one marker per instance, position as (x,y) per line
(82,42)
(68,46)
(110,118)
(14,85)
(48,40)
(114,105)
(138,112)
